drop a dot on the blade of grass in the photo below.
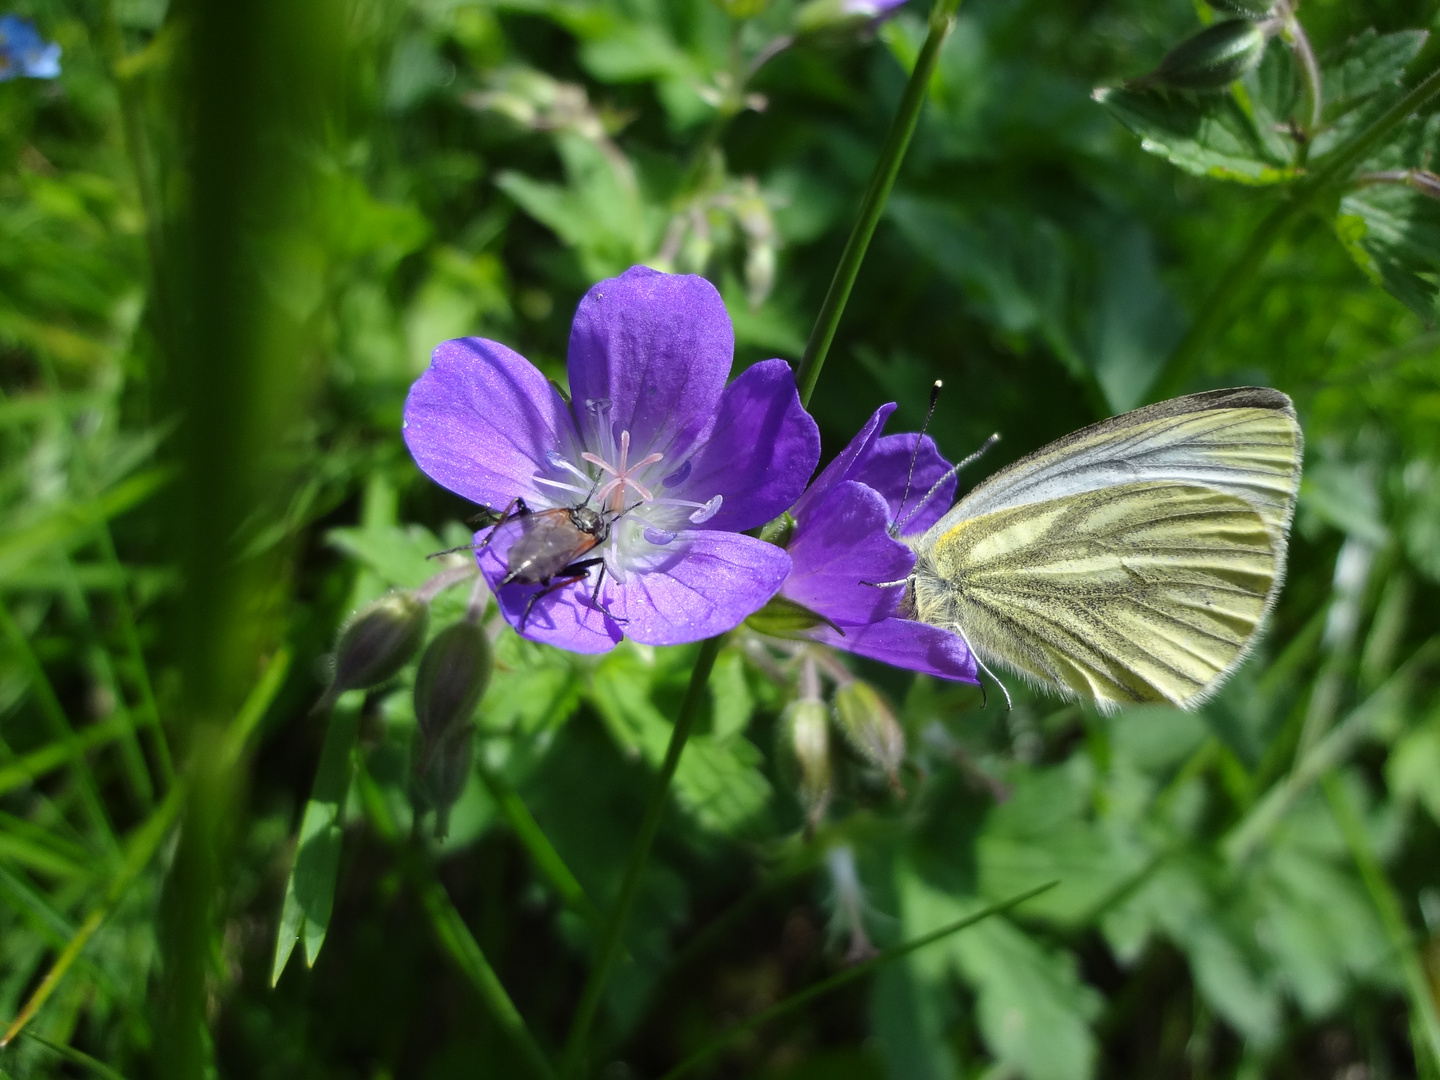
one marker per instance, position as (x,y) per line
(140,849)
(450,929)
(32,766)
(77,1057)
(1391,911)
(547,859)
(840,978)
(146,840)
(1328,752)
(310,888)
(54,714)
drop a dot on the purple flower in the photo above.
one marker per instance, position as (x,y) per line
(842,545)
(669,463)
(24,52)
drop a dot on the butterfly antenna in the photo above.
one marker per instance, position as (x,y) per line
(915,455)
(935,488)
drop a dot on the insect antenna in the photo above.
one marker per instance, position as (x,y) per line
(915,455)
(934,488)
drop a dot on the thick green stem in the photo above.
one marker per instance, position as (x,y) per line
(942,18)
(610,942)
(1237,279)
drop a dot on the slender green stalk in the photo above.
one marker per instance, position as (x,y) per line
(450,929)
(892,153)
(610,942)
(1300,195)
(839,979)
(1392,913)
(529,833)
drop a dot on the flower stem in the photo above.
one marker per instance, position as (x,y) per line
(849,974)
(942,18)
(1214,311)
(610,942)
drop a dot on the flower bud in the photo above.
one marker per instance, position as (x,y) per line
(1246,9)
(454,672)
(871,728)
(443,774)
(376,643)
(806,729)
(784,618)
(1212,59)
(779,531)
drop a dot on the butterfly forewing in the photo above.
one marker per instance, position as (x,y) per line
(1139,592)
(1244,441)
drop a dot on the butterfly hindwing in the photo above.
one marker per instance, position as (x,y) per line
(1137,592)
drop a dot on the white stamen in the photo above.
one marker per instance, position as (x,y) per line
(707,511)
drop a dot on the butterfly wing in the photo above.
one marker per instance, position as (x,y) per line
(1139,592)
(1244,441)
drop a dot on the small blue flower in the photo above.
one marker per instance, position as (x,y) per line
(23,52)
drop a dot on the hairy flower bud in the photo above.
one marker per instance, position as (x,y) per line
(871,728)
(443,774)
(806,732)
(1212,59)
(376,643)
(454,671)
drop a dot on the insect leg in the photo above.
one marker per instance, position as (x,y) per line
(595,597)
(516,508)
(576,571)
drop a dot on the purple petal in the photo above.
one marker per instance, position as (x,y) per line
(716,581)
(480,420)
(846,462)
(704,584)
(886,469)
(658,348)
(907,644)
(760,452)
(839,547)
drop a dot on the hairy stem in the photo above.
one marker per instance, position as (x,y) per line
(1302,193)
(942,18)
(610,942)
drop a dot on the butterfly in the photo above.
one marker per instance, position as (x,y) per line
(1132,561)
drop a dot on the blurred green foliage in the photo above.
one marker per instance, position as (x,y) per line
(216,285)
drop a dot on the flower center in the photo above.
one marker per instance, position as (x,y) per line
(629,494)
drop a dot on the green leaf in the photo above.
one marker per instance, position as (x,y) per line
(1210,135)
(718,782)
(1364,65)
(1392,231)
(731,701)
(399,555)
(1032,1008)
(1043,833)
(310,889)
